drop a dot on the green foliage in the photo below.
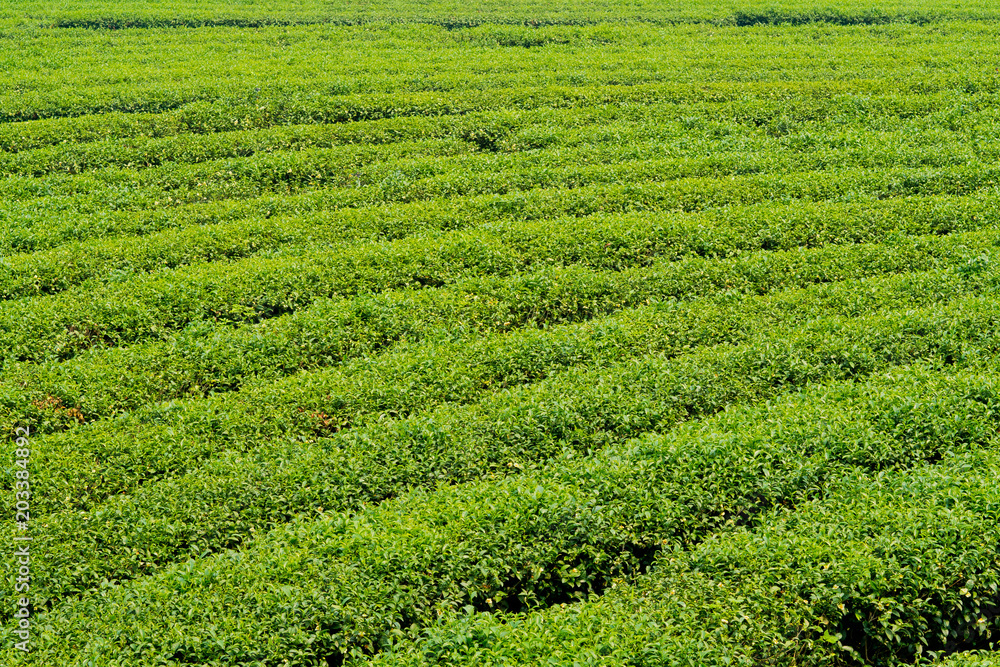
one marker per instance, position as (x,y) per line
(507,22)
(147,442)
(209,356)
(879,568)
(554,333)
(562,532)
(378,460)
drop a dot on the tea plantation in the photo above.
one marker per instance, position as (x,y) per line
(538,332)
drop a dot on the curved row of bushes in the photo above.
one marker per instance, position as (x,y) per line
(887,568)
(254,487)
(343,585)
(86,466)
(201,359)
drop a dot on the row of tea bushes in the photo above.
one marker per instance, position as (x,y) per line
(322,588)
(206,359)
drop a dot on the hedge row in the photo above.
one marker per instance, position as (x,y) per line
(204,358)
(399,169)
(527,19)
(49,222)
(343,584)
(152,305)
(87,465)
(219,505)
(617,242)
(714,232)
(500,130)
(341,166)
(703,128)
(201,105)
(604,55)
(643,180)
(366,429)
(147,306)
(143,152)
(666,181)
(114,129)
(882,568)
